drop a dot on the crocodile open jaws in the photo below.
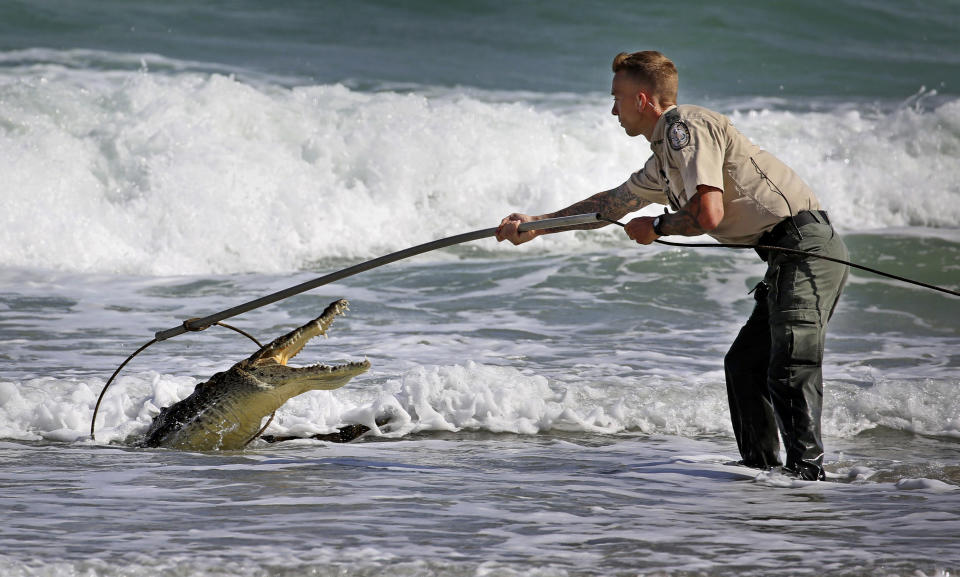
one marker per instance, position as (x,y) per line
(226,412)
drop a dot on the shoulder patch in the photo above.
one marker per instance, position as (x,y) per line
(678,134)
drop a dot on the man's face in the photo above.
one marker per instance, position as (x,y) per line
(627,103)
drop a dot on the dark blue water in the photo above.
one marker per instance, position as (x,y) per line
(848,49)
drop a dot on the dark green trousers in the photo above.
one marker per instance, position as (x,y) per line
(774,367)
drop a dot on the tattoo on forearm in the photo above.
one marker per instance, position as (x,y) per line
(613,204)
(618,202)
(684,222)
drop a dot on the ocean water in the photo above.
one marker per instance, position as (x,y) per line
(559,408)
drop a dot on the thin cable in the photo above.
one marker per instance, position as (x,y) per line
(103,392)
(773,186)
(797,252)
(96,408)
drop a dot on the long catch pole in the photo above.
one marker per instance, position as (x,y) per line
(200,324)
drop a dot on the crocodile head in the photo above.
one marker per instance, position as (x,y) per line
(269,364)
(226,411)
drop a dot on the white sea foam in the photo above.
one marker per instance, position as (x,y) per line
(872,169)
(189,172)
(470,397)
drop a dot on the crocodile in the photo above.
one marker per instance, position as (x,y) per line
(225,412)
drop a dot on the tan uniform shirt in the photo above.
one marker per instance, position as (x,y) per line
(692,146)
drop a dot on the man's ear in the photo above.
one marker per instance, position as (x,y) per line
(642,101)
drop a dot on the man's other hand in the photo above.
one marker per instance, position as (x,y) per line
(640,229)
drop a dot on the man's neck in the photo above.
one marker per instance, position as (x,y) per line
(653,117)
(656,111)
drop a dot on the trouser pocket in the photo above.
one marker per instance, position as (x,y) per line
(797,339)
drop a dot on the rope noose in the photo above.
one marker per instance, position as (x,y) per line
(96,408)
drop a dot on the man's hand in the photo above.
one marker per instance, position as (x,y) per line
(508,229)
(640,229)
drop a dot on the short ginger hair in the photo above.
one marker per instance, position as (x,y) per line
(653,70)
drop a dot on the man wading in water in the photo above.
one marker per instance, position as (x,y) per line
(719,183)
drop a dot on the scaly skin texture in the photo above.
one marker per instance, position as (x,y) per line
(225,413)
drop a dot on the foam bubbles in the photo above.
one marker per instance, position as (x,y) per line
(187,172)
(197,174)
(871,169)
(927,407)
(473,397)
(468,397)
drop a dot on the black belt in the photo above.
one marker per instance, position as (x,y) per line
(798,220)
(783,228)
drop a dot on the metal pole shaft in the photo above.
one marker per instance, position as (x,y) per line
(202,323)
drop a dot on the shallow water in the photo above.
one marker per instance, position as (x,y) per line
(568,428)
(463,504)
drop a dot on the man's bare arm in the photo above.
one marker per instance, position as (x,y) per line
(613,203)
(701,215)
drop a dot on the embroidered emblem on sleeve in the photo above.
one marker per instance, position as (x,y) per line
(678,134)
